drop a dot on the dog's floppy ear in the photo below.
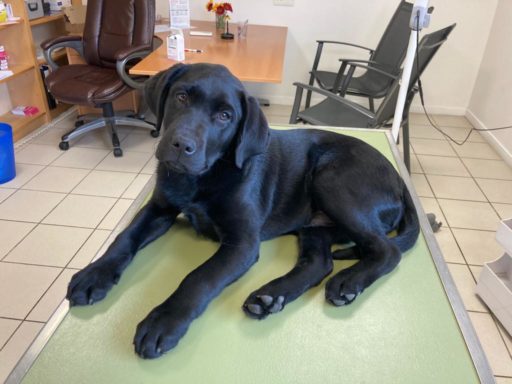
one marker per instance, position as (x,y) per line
(157,88)
(253,132)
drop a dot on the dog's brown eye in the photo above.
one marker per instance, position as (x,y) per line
(224,116)
(181,97)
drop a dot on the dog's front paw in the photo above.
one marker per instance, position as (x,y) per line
(159,332)
(92,283)
(259,306)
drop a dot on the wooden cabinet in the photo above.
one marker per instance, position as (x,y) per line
(25,86)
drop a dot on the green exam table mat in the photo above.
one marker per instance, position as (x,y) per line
(400,330)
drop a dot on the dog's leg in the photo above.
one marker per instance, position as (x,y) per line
(166,324)
(92,283)
(379,257)
(314,263)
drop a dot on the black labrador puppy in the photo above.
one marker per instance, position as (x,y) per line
(239,182)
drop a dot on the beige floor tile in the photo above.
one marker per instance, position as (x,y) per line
(441,165)
(11,233)
(52,136)
(277,110)
(140,141)
(278,120)
(52,298)
(430,205)
(21,206)
(104,183)
(50,245)
(478,247)
(80,211)
(21,286)
(418,118)
(466,287)
(492,343)
(17,346)
(99,139)
(476,151)
(129,162)
(488,169)
(86,158)
(421,185)
(506,336)
(475,271)
(7,328)
(38,154)
(415,164)
(497,191)
(451,187)
(424,132)
(136,186)
(89,250)
(24,172)
(452,121)
(432,147)
(449,247)
(115,214)
(150,167)
(503,380)
(469,214)
(5,193)
(504,210)
(56,179)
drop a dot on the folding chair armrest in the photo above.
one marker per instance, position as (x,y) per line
(345,43)
(298,96)
(353,63)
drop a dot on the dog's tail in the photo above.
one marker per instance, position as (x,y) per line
(409,226)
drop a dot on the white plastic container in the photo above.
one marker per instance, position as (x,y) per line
(176,45)
(495,288)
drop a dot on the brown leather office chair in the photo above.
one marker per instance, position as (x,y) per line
(116,33)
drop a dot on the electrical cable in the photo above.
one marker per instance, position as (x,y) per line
(422,99)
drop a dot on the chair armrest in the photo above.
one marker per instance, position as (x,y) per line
(353,64)
(344,43)
(298,98)
(48,46)
(124,57)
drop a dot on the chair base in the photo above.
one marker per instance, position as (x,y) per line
(91,122)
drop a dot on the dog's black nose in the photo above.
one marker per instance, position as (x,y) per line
(183,144)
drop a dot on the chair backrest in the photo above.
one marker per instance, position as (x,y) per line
(112,25)
(392,47)
(427,48)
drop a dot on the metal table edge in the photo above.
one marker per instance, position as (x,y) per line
(476,352)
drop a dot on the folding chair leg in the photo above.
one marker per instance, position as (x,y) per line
(370,102)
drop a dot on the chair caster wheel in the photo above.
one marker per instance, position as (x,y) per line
(64,145)
(155,133)
(79,123)
(118,152)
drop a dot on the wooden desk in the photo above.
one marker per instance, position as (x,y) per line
(258,58)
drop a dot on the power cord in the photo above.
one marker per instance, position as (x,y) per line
(422,99)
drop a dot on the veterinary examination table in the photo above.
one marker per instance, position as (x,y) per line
(408,327)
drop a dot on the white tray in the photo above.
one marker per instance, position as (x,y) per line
(495,288)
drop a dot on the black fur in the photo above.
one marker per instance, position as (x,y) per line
(240,183)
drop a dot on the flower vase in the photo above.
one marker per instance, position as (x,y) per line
(220,22)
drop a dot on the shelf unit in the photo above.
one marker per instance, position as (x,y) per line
(47,19)
(25,86)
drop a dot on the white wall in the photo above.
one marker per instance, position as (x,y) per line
(491,103)
(448,81)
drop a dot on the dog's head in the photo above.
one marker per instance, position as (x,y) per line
(205,114)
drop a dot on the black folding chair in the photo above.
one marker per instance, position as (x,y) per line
(337,111)
(387,57)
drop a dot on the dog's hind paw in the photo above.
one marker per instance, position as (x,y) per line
(343,299)
(260,306)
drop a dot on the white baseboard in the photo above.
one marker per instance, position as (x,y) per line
(490,137)
(439,110)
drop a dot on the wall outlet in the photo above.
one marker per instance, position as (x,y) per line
(288,3)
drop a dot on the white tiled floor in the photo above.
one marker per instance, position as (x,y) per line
(84,192)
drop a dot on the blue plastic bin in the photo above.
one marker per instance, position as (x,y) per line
(7,165)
